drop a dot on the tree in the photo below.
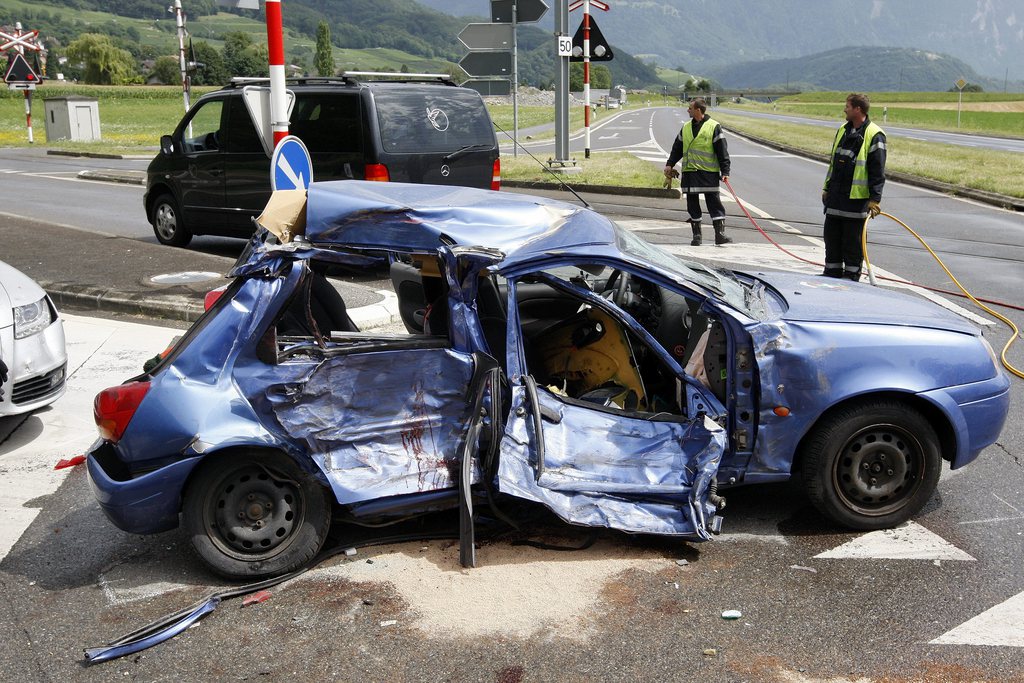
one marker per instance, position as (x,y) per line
(600,77)
(324,60)
(212,71)
(103,62)
(167,69)
(242,57)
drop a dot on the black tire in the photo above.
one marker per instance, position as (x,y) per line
(168,222)
(871,466)
(255,515)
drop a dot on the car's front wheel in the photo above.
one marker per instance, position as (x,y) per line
(255,515)
(872,465)
(168,224)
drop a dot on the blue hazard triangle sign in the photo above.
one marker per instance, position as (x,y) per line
(290,167)
(19,70)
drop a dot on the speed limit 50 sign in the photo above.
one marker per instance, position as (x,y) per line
(564,46)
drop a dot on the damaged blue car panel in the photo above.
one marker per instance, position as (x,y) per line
(632,384)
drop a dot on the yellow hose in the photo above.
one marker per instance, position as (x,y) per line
(871,278)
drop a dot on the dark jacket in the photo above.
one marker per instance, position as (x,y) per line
(837,200)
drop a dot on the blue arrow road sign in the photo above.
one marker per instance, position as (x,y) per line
(290,167)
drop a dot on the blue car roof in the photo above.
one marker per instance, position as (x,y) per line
(417,218)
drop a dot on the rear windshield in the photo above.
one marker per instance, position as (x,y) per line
(431,119)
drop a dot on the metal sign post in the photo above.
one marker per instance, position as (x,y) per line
(960,83)
(512,13)
(561,157)
(186,82)
(20,75)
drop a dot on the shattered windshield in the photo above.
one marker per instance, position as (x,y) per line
(721,282)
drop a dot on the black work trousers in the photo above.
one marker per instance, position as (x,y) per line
(714,202)
(843,251)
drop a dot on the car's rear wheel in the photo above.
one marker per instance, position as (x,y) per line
(255,515)
(168,224)
(872,465)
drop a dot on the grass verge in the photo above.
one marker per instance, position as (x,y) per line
(620,169)
(988,170)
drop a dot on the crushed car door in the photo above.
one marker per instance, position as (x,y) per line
(608,452)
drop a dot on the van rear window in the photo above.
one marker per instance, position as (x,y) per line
(431,119)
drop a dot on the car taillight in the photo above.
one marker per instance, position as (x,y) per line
(211,297)
(378,172)
(114,407)
(496,175)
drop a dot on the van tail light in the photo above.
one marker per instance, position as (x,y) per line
(496,175)
(377,172)
(114,407)
(211,297)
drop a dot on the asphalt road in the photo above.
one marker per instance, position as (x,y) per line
(939,600)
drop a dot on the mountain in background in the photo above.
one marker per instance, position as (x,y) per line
(883,68)
(700,35)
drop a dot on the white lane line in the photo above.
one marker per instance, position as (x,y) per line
(786,227)
(909,541)
(1002,625)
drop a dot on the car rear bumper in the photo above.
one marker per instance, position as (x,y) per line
(978,412)
(146,504)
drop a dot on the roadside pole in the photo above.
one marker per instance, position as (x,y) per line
(275,49)
(586,78)
(561,157)
(515,82)
(186,85)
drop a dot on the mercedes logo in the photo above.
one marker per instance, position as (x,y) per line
(445,170)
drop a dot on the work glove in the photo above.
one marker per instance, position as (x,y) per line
(874,208)
(671,172)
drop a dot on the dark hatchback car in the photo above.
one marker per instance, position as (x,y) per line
(212,175)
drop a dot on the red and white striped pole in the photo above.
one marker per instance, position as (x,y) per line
(586,78)
(20,49)
(275,49)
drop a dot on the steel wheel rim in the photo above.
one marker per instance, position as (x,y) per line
(879,469)
(166,221)
(252,515)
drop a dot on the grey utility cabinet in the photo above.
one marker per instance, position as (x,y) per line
(73,117)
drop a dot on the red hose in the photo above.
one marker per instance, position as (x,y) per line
(882,277)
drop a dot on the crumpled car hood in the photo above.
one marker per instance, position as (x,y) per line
(812,298)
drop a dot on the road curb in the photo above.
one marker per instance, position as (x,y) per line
(187,308)
(655,192)
(1000,200)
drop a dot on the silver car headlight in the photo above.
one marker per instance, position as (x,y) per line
(31,318)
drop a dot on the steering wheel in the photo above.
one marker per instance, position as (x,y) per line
(618,287)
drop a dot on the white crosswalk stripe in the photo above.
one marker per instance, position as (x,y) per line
(1000,625)
(909,541)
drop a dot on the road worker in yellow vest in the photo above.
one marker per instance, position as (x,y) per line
(705,155)
(853,188)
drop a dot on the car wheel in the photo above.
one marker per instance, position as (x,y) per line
(872,466)
(168,223)
(255,515)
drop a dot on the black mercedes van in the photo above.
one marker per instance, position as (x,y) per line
(212,175)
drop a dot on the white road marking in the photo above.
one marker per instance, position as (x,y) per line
(101,353)
(909,541)
(1000,625)
(608,137)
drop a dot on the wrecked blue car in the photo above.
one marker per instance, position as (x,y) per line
(551,357)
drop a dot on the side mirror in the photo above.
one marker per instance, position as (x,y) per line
(167,144)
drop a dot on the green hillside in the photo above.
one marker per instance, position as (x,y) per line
(367,34)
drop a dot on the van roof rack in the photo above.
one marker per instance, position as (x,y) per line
(347,78)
